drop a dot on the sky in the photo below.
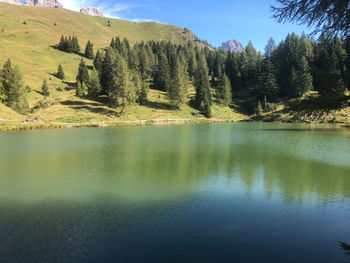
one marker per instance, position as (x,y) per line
(214,21)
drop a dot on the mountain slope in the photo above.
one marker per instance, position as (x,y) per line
(31,45)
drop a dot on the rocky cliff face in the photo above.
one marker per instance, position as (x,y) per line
(91,11)
(49,3)
(17,2)
(232,45)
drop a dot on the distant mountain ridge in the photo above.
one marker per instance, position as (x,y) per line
(49,3)
(233,46)
(91,11)
(17,2)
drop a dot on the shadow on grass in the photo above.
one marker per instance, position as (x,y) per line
(79,54)
(98,110)
(316,103)
(93,107)
(39,92)
(79,103)
(158,105)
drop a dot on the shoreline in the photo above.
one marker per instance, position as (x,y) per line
(20,126)
(8,125)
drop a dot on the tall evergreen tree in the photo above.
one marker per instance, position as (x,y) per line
(330,62)
(60,72)
(108,68)
(12,90)
(17,97)
(89,50)
(224,93)
(161,76)
(270,47)
(94,86)
(177,91)
(81,89)
(98,62)
(75,45)
(45,89)
(268,87)
(304,82)
(6,77)
(143,94)
(203,96)
(122,91)
(83,74)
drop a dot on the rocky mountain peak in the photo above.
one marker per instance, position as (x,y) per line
(91,11)
(232,45)
(49,3)
(17,2)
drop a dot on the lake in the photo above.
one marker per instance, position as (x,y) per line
(244,192)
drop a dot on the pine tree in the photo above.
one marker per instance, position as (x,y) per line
(81,89)
(83,74)
(330,62)
(75,45)
(45,89)
(60,72)
(112,44)
(69,45)
(304,78)
(203,97)
(17,96)
(259,109)
(177,91)
(62,44)
(143,94)
(144,63)
(224,93)
(267,81)
(98,62)
(94,86)
(89,50)
(120,92)
(161,76)
(108,68)
(270,47)
(6,77)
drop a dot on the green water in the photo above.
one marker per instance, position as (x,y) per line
(246,192)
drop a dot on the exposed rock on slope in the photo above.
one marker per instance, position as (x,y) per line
(91,11)
(17,2)
(232,45)
(50,3)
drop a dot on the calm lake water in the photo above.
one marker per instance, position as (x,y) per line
(246,192)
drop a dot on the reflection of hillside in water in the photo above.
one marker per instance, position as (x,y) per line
(165,163)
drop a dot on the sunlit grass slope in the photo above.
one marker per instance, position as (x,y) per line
(30,45)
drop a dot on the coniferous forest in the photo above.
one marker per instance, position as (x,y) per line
(285,71)
(125,73)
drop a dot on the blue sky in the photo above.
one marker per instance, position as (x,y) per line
(214,21)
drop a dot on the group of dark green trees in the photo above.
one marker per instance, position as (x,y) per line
(298,64)
(69,44)
(125,73)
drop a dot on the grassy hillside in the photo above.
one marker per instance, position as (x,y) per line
(30,46)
